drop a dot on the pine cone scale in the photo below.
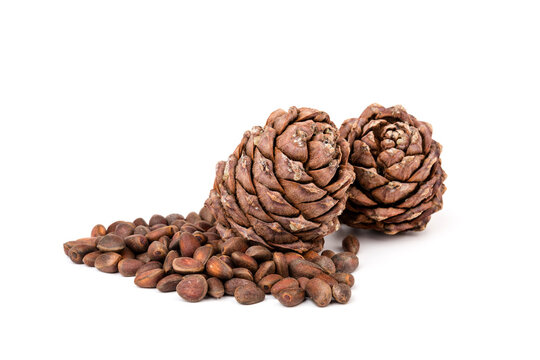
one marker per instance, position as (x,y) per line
(297,224)
(393,192)
(243,171)
(426,191)
(288,169)
(274,202)
(425,170)
(250,205)
(300,193)
(403,170)
(368,178)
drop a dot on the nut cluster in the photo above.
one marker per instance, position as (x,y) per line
(188,255)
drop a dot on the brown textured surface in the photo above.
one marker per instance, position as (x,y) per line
(285,184)
(399,178)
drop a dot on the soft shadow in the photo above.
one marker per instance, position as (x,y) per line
(375,236)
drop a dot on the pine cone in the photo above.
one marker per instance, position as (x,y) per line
(399,179)
(285,184)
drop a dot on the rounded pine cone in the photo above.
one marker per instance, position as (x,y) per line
(399,178)
(285,184)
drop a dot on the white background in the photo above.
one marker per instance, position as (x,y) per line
(118,109)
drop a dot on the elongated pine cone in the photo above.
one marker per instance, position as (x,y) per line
(285,184)
(399,178)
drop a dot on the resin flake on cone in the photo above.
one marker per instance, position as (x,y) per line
(399,178)
(286,184)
